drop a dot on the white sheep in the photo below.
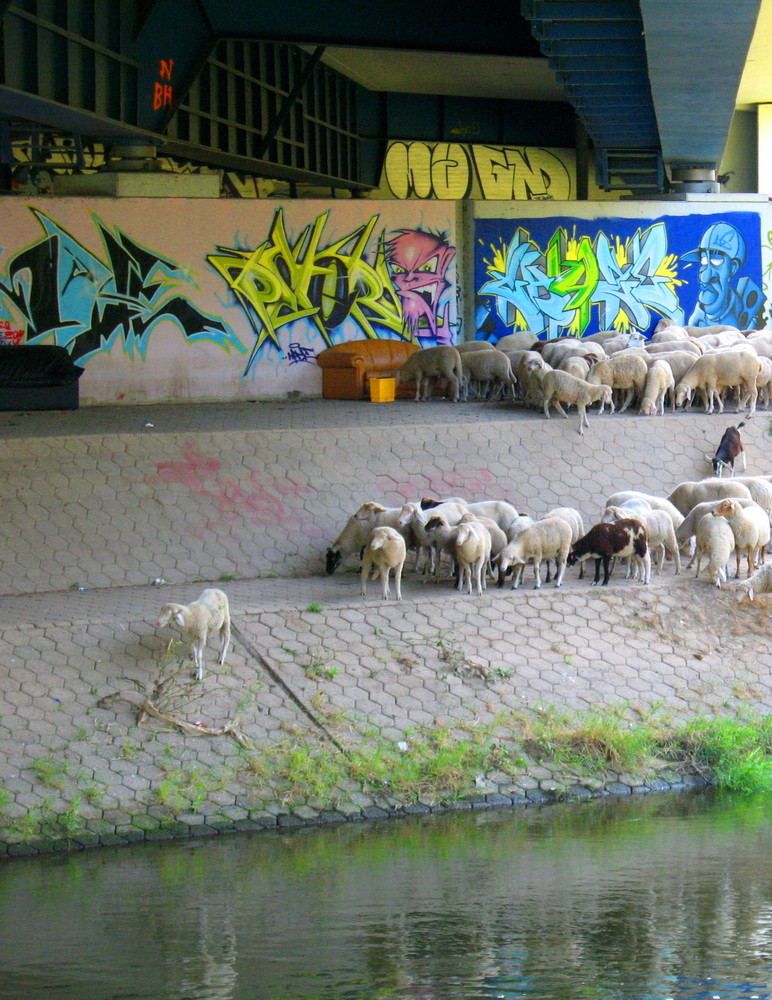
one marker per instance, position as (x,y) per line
(384,553)
(470,346)
(500,511)
(490,370)
(548,538)
(208,613)
(716,541)
(669,334)
(527,372)
(688,494)
(626,374)
(750,527)
(469,545)
(428,364)
(713,372)
(357,530)
(659,381)
(655,502)
(560,387)
(521,340)
(675,347)
(759,582)
(661,535)
(413,517)
(686,530)
(498,536)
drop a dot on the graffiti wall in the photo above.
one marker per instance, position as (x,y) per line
(198,299)
(566,276)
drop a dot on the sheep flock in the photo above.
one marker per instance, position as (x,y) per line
(678,367)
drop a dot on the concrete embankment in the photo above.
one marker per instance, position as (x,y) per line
(248,499)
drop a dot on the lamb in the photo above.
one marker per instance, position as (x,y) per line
(548,538)
(750,527)
(688,494)
(430,363)
(628,374)
(208,613)
(713,372)
(560,387)
(384,552)
(491,370)
(688,527)
(715,540)
(660,533)
(730,447)
(759,582)
(659,381)
(469,543)
(604,542)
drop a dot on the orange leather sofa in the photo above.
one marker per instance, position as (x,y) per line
(347,368)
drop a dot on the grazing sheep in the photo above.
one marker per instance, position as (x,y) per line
(527,374)
(492,372)
(688,494)
(627,374)
(208,613)
(560,387)
(660,533)
(430,363)
(555,352)
(713,372)
(604,542)
(669,334)
(548,538)
(659,381)
(522,340)
(474,345)
(730,447)
(578,365)
(680,362)
(759,582)
(572,516)
(764,382)
(750,527)
(357,530)
(384,552)
(760,490)
(715,540)
(676,347)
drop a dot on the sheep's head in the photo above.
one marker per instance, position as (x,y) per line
(167,612)
(333,559)
(367,510)
(726,508)
(683,395)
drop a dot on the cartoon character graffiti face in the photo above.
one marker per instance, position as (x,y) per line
(720,255)
(418,263)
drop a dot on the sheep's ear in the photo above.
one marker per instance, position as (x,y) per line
(178,617)
(709,457)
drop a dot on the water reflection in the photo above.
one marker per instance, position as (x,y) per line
(670,896)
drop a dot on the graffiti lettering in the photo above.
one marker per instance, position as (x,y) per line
(9,335)
(280,282)
(163,95)
(296,354)
(554,292)
(63,291)
(165,68)
(449,170)
(193,472)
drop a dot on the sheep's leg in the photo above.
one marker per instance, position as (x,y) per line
(384,571)
(582,410)
(597,570)
(560,564)
(627,400)
(559,407)
(606,569)
(398,581)
(537,573)
(742,456)
(225,641)
(198,657)
(646,567)
(364,576)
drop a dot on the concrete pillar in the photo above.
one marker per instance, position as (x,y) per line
(764,148)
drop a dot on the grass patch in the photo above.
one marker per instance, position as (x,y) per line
(735,754)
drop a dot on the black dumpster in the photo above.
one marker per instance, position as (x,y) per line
(38,377)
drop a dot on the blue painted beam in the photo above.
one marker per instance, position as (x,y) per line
(624,47)
(587,29)
(581,10)
(599,63)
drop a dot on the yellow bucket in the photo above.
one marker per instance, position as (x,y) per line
(382,390)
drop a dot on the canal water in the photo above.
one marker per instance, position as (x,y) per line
(665,896)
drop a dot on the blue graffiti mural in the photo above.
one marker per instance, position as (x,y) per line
(65,294)
(561,276)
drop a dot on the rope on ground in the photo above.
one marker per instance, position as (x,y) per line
(258,657)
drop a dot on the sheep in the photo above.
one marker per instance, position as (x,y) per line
(412,516)
(577,365)
(631,508)
(208,613)
(357,530)
(555,352)
(669,334)
(384,552)
(521,340)
(676,347)
(715,540)
(500,511)
(688,494)
(750,527)
(548,538)
(679,361)
(429,363)
(560,387)
(628,374)
(730,447)
(764,382)
(707,331)
(659,381)
(498,535)
(760,490)
(713,372)
(603,542)
(655,502)
(469,543)
(759,582)
(660,533)
(527,374)
(572,516)
(474,345)
(490,369)
(688,527)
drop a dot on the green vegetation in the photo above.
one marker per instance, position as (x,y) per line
(735,754)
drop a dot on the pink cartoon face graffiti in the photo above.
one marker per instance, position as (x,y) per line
(418,263)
